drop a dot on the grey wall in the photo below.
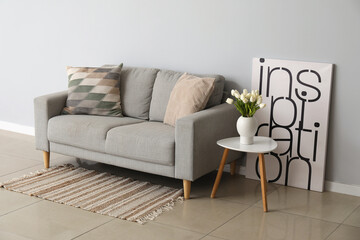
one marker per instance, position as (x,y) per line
(39,38)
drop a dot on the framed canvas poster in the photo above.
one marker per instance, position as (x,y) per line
(297,98)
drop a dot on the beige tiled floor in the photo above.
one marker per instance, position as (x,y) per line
(236,213)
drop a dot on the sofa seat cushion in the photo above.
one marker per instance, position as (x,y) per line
(84,131)
(148,141)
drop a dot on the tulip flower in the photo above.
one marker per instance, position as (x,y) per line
(237,94)
(259,100)
(233,92)
(245,92)
(245,100)
(262,105)
(229,101)
(252,98)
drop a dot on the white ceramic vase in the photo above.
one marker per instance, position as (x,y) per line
(247,127)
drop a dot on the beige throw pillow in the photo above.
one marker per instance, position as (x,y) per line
(189,95)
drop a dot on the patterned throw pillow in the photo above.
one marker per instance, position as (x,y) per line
(94,91)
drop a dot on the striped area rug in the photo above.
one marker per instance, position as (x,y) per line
(102,193)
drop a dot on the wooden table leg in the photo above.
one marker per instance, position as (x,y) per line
(232,168)
(220,171)
(263,180)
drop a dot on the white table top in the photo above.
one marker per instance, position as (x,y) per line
(260,145)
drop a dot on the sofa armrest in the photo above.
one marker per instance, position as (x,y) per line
(196,151)
(46,107)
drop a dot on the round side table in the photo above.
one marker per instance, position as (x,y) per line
(260,146)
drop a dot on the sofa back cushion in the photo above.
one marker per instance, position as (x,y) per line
(136,86)
(165,82)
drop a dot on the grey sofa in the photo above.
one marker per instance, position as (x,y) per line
(140,140)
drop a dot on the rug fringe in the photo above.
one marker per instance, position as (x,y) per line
(167,207)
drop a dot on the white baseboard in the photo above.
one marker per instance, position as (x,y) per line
(13,127)
(348,189)
(342,188)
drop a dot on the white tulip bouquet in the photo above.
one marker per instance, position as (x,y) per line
(246,103)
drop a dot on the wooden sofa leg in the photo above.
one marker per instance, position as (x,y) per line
(46,159)
(187,188)
(232,168)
